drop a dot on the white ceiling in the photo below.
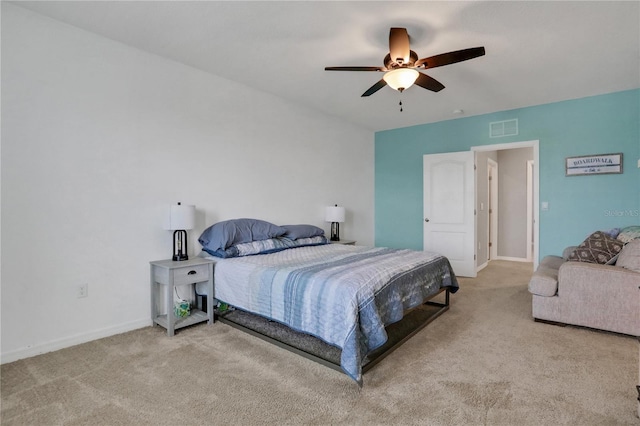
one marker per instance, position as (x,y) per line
(537,52)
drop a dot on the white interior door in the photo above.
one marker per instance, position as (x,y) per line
(449,209)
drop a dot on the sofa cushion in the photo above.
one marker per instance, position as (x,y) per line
(554,262)
(544,281)
(567,252)
(630,256)
(597,248)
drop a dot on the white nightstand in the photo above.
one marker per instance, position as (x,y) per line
(172,274)
(344,242)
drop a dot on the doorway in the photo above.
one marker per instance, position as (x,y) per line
(507,207)
(492,208)
(451,207)
(530,231)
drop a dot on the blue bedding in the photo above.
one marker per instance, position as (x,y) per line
(344,295)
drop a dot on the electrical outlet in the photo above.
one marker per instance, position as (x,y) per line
(82,291)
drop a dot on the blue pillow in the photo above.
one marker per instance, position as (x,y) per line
(270,245)
(223,235)
(318,240)
(613,232)
(302,231)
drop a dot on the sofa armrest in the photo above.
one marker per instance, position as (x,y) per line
(544,281)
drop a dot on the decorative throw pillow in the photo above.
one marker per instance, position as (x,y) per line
(629,233)
(630,256)
(597,248)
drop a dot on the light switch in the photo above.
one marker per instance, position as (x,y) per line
(545,206)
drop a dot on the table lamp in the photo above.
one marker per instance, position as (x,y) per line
(335,215)
(181,218)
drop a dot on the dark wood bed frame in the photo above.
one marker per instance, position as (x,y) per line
(413,321)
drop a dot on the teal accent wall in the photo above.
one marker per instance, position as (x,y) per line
(578,205)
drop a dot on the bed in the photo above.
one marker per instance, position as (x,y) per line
(343,295)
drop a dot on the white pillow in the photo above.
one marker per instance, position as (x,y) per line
(630,256)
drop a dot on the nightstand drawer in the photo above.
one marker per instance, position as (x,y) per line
(190,275)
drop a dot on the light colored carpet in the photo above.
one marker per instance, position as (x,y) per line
(485,361)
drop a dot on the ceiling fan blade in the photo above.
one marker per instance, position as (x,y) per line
(399,45)
(354,69)
(429,83)
(373,89)
(450,57)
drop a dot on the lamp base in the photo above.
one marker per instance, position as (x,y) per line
(180,242)
(335,231)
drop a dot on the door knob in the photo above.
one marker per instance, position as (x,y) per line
(426,219)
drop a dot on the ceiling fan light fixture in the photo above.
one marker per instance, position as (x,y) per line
(401,79)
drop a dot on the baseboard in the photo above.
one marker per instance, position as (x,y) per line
(513,259)
(66,342)
(481,267)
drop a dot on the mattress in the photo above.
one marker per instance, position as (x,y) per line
(343,295)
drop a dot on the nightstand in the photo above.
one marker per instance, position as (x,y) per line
(344,242)
(172,274)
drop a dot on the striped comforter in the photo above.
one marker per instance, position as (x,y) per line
(344,295)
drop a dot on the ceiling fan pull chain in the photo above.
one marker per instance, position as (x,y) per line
(400,105)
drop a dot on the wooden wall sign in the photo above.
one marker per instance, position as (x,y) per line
(593,164)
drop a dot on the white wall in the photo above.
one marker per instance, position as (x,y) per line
(98,138)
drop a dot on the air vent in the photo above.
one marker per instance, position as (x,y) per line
(498,129)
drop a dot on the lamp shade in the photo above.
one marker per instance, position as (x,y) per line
(181,217)
(334,214)
(401,78)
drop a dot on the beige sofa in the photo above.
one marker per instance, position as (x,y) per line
(605,297)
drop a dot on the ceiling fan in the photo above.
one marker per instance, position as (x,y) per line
(401,64)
